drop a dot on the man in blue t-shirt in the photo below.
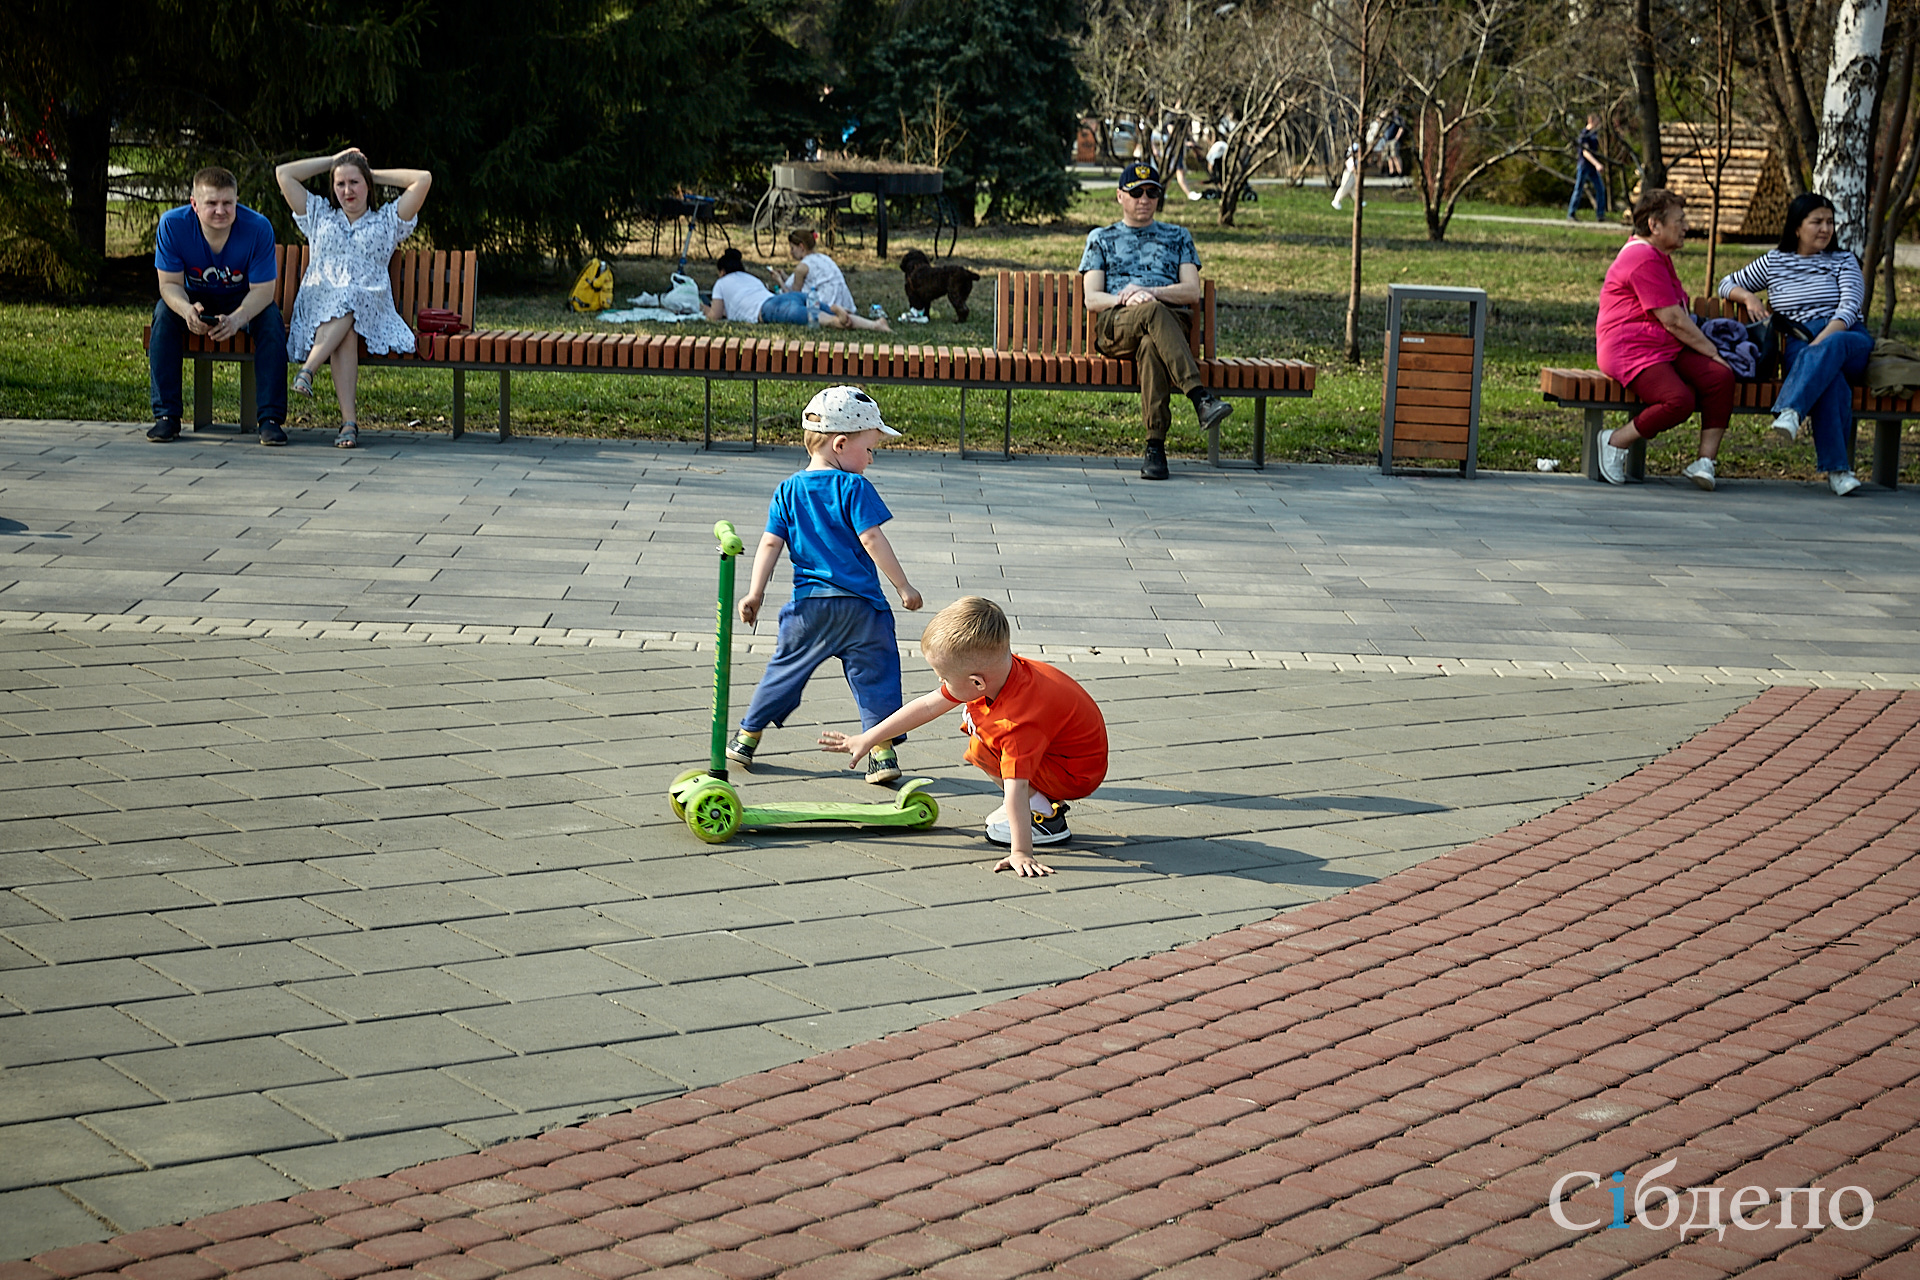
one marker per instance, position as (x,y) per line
(215,263)
(1136,271)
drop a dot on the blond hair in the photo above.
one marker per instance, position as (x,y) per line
(973,627)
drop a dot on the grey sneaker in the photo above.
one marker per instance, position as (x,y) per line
(164,430)
(1048,828)
(1613,461)
(883,765)
(1842,483)
(1785,427)
(740,749)
(1701,473)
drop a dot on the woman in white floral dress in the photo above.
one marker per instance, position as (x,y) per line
(346,294)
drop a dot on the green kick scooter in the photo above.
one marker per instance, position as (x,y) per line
(711,805)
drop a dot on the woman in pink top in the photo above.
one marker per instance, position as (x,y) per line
(1649,343)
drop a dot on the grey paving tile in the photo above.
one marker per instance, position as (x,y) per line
(414,866)
(539,853)
(252,884)
(704,1057)
(50,1151)
(252,848)
(664,877)
(37,1219)
(393,1044)
(564,1022)
(550,974)
(136,1201)
(544,890)
(408,947)
(388,1104)
(536,931)
(690,914)
(716,1003)
(208,1129)
(251,922)
(227,1015)
(68,942)
(838,1030)
(224,1067)
(66,1089)
(157,857)
(865,984)
(568,1076)
(392,995)
(71,986)
(404,905)
(697,957)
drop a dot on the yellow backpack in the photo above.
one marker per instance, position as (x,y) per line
(593,291)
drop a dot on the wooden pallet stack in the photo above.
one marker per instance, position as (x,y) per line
(1753,184)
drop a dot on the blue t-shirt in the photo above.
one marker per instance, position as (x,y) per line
(218,281)
(820,515)
(1149,255)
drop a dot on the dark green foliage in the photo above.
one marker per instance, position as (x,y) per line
(1004,71)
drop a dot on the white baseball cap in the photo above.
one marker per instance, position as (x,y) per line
(843,411)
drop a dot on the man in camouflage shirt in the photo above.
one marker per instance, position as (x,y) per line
(1137,271)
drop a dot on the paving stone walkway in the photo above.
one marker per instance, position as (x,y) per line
(1702,976)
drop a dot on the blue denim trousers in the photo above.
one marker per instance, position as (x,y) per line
(1819,381)
(790,308)
(820,627)
(169,343)
(1583,177)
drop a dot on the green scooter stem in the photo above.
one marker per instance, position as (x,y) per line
(730,549)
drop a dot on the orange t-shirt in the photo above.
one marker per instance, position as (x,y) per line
(1042,726)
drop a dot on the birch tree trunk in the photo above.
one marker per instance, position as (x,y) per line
(1846,117)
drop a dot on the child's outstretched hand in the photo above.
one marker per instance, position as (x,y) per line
(909,597)
(750,609)
(834,740)
(1022,864)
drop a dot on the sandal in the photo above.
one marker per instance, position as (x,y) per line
(303,383)
(349,436)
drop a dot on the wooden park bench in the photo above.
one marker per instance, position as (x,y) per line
(1595,395)
(1043,342)
(420,278)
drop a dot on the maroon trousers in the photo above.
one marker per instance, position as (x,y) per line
(1671,392)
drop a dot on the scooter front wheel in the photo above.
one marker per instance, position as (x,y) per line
(713,812)
(925,810)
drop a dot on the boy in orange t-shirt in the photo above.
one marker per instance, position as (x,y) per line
(1030,726)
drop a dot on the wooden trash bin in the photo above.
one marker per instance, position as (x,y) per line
(1430,407)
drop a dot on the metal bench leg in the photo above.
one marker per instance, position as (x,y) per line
(1590,456)
(709,417)
(1260,434)
(1886,453)
(1637,462)
(249,403)
(1213,445)
(963,424)
(506,404)
(202,394)
(459,403)
(1006,432)
(755,441)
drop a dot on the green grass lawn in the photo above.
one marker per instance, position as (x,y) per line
(1281,276)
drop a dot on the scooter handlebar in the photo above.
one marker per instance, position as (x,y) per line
(730,544)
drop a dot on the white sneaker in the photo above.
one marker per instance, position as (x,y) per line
(1786,426)
(1701,473)
(1842,483)
(1193,195)
(1613,460)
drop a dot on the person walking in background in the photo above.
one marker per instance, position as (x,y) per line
(346,294)
(1589,170)
(214,258)
(1350,176)
(1388,147)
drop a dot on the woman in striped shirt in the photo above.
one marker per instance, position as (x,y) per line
(1812,280)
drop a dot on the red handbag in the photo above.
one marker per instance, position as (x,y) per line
(438,320)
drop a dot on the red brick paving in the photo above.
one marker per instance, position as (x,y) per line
(1712,961)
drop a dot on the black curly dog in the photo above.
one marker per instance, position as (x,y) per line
(927,284)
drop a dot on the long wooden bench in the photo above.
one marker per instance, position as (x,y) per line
(1043,342)
(420,278)
(1595,395)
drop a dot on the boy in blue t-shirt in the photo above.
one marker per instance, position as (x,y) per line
(828,517)
(214,259)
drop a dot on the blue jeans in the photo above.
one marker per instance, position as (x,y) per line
(820,627)
(1819,381)
(168,344)
(789,308)
(1587,176)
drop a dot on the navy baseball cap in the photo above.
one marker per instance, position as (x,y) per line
(1140,174)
